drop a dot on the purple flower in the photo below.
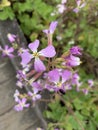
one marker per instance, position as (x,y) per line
(79,6)
(35,96)
(37,85)
(39,66)
(16,95)
(64,1)
(57,79)
(52,28)
(21,75)
(7,51)
(21,104)
(11,37)
(72,61)
(85,91)
(76,50)
(61,8)
(90,82)
(19,84)
(75,81)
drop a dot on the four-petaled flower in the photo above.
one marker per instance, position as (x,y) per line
(7,51)
(39,66)
(21,104)
(34,96)
(79,6)
(57,79)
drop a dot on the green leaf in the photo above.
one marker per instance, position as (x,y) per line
(6,13)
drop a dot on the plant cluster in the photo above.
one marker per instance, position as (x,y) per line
(73,102)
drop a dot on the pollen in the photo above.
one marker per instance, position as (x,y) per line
(36,54)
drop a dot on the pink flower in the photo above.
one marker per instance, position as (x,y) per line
(7,51)
(57,79)
(90,82)
(11,37)
(61,8)
(72,61)
(64,1)
(16,95)
(75,50)
(34,96)
(79,6)
(21,104)
(39,66)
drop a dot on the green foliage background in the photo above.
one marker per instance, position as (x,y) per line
(73,111)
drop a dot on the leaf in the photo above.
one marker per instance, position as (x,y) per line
(4,14)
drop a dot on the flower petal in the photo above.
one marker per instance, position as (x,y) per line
(53,26)
(66,75)
(54,76)
(46,31)
(26,58)
(38,65)
(33,46)
(48,51)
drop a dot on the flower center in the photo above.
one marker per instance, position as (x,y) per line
(59,84)
(36,54)
(22,104)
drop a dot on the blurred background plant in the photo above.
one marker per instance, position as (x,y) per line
(73,111)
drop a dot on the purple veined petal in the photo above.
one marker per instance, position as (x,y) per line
(33,46)
(53,26)
(38,96)
(46,31)
(48,51)
(76,50)
(39,65)
(6,47)
(27,105)
(37,85)
(54,76)
(74,61)
(82,5)
(61,8)
(26,58)
(24,100)
(66,75)
(35,90)
(78,2)
(11,49)
(18,107)
(10,55)
(34,98)
(30,93)
(76,10)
